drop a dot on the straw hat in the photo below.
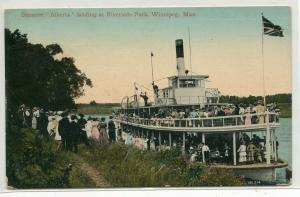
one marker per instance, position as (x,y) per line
(260,102)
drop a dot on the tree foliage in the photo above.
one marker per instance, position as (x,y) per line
(278,98)
(35,77)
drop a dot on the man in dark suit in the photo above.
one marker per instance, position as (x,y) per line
(73,134)
(63,129)
(111,130)
(82,122)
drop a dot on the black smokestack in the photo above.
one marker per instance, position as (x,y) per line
(179,48)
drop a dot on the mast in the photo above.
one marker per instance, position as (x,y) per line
(190,50)
(263,62)
(152,68)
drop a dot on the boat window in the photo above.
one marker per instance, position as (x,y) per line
(174,83)
(165,94)
(185,83)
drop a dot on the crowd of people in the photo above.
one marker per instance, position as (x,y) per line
(170,115)
(68,128)
(251,149)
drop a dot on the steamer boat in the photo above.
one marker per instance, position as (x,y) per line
(165,124)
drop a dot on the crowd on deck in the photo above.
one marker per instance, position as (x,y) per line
(169,115)
(250,150)
(68,128)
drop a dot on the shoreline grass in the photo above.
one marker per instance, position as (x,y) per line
(127,166)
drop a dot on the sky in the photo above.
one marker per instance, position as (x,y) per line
(114,51)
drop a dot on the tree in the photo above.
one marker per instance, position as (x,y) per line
(36,78)
(93,102)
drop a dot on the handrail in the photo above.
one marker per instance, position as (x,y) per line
(217,121)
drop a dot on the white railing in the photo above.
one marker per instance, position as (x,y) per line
(190,99)
(218,121)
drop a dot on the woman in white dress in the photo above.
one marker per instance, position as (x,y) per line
(242,153)
(57,136)
(88,128)
(51,125)
(35,115)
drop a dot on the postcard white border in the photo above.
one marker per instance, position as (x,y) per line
(256,191)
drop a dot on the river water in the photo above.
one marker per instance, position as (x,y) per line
(284,135)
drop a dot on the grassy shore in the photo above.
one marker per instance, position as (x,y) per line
(99,108)
(33,162)
(285,110)
(127,166)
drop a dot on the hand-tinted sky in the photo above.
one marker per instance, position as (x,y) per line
(115,51)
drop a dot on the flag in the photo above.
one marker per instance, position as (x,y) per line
(152,54)
(271,29)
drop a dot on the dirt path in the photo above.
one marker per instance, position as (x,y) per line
(93,173)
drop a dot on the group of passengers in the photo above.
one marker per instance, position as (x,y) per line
(174,117)
(68,128)
(254,149)
(251,150)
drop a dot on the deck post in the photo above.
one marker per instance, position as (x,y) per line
(272,144)
(159,141)
(275,146)
(268,159)
(234,148)
(203,141)
(183,142)
(170,140)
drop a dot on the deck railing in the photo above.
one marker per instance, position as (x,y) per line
(217,121)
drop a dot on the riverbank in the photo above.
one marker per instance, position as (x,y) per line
(97,108)
(33,162)
(285,110)
(127,166)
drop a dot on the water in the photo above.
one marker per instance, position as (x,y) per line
(284,135)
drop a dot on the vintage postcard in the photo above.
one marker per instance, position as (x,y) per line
(148,97)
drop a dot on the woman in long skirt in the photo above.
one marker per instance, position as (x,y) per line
(57,136)
(95,130)
(103,131)
(35,115)
(242,153)
(248,116)
(88,128)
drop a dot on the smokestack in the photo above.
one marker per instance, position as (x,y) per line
(180,57)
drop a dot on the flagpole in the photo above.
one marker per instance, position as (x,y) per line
(263,62)
(152,68)
(190,49)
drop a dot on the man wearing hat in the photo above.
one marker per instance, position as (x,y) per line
(111,130)
(82,122)
(73,134)
(260,108)
(63,127)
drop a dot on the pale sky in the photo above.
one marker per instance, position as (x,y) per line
(114,52)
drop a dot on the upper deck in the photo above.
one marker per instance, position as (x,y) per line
(232,123)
